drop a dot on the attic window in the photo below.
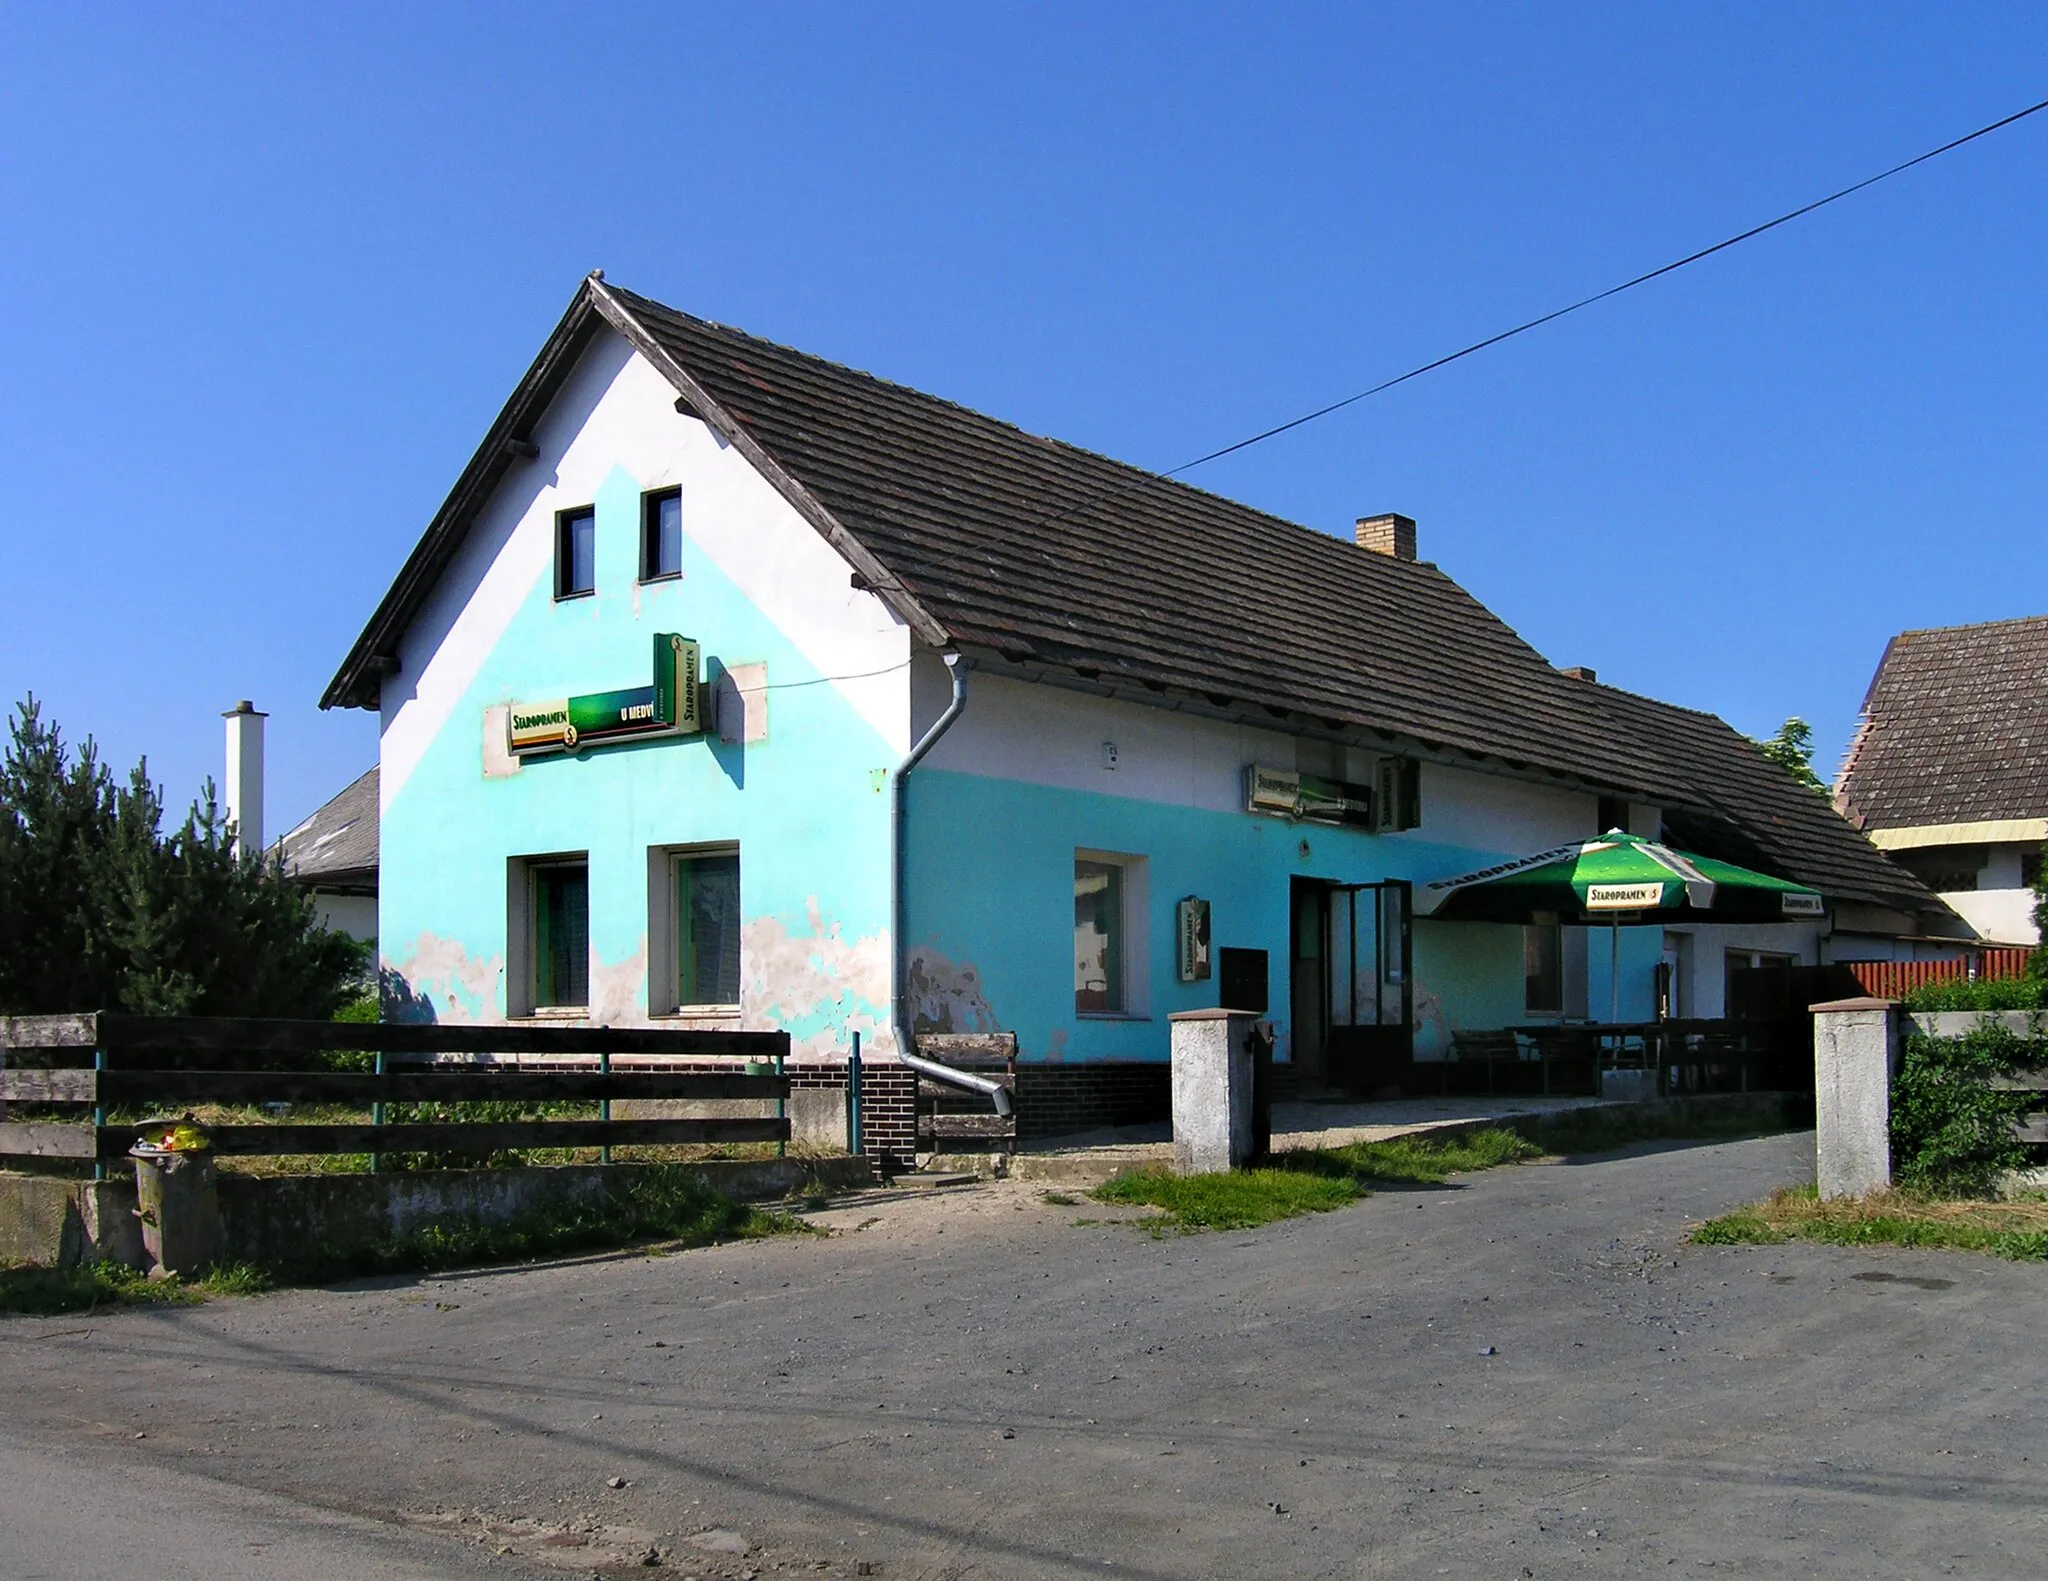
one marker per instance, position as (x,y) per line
(661,534)
(576,552)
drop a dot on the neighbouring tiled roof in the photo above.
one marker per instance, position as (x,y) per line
(1730,801)
(1033,553)
(339,842)
(1954,729)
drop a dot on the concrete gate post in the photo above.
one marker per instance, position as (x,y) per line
(1855,1053)
(1212,1089)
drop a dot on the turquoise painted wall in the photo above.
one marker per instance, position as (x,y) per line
(990,891)
(807,807)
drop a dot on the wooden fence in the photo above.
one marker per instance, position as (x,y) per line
(1895,979)
(106,1061)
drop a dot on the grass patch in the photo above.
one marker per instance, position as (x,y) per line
(1420,1160)
(29,1290)
(1059,1199)
(1237,1200)
(2017,1230)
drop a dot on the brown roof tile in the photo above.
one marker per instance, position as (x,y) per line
(1954,729)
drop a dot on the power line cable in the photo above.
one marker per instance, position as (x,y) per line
(1548,318)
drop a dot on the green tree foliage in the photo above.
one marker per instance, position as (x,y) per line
(1792,750)
(100,909)
(1951,1129)
(2037,963)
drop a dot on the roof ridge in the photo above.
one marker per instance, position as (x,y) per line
(1974,625)
(1142,475)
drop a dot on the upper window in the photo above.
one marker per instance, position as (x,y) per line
(575,552)
(707,929)
(661,535)
(559,907)
(1098,937)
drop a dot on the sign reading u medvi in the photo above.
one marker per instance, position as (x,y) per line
(672,706)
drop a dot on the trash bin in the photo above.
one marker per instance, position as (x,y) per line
(177,1200)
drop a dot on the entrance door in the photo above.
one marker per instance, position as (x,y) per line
(1353,991)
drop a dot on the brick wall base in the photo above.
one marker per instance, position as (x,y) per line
(1059,1100)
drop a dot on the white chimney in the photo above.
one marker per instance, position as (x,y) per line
(245,776)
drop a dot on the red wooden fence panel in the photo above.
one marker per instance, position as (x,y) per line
(1893,979)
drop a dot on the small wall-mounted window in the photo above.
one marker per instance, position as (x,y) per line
(1109,947)
(661,534)
(575,552)
(559,913)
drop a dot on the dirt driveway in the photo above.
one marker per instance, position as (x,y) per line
(1525,1374)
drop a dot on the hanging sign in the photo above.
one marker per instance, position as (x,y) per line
(1282,793)
(1191,927)
(672,706)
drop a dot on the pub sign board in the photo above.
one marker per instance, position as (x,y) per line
(672,706)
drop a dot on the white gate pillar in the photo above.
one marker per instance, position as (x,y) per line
(1855,1053)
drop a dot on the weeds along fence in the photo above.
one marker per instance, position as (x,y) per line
(81,1089)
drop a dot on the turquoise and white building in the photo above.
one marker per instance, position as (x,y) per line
(989,733)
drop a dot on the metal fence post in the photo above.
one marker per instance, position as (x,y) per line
(604,1106)
(853,1138)
(782,1107)
(377,1112)
(99,1114)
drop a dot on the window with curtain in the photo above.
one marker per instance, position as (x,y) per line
(708,929)
(561,935)
(576,552)
(661,535)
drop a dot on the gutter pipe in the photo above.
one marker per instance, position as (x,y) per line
(906,1045)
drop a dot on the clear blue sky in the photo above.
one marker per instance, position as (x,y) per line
(269,273)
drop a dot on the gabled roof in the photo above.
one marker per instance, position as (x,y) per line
(1727,799)
(1954,729)
(338,844)
(1037,556)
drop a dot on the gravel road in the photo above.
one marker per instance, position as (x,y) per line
(1527,1373)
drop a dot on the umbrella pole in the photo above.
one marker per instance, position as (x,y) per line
(1614,971)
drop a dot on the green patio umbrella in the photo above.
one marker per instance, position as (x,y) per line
(1618,877)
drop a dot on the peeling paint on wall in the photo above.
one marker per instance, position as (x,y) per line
(946,996)
(617,991)
(817,985)
(442,981)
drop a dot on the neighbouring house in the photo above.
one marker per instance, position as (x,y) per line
(730,686)
(1948,769)
(333,854)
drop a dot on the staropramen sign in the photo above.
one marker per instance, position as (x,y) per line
(672,706)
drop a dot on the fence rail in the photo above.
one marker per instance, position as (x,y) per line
(143,1062)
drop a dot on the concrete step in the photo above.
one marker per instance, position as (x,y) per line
(935,1179)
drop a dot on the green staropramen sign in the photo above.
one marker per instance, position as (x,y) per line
(672,706)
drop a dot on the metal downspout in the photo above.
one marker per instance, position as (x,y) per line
(899,954)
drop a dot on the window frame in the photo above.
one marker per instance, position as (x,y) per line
(565,553)
(531,873)
(650,535)
(1132,941)
(1554,931)
(666,975)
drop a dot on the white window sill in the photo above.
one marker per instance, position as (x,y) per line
(698,1013)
